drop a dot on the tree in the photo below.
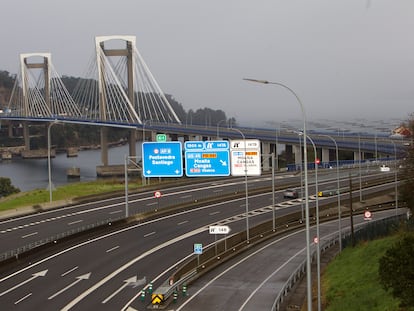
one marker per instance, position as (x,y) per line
(407,173)
(396,270)
(6,187)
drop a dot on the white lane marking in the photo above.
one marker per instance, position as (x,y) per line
(78,279)
(238,263)
(112,249)
(116,212)
(127,282)
(23,298)
(182,223)
(34,276)
(153,203)
(149,234)
(186,196)
(128,264)
(214,213)
(69,271)
(30,234)
(75,222)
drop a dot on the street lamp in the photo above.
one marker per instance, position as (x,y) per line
(308,259)
(245,183)
(338,191)
(318,244)
(218,124)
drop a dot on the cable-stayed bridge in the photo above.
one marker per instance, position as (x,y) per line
(119,91)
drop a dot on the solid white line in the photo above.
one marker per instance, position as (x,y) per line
(127,265)
(21,299)
(115,293)
(112,249)
(30,234)
(75,222)
(69,271)
(238,263)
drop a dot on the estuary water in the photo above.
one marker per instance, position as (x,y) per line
(30,174)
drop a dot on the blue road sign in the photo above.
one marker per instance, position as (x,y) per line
(208,158)
(198,248)
(162,159)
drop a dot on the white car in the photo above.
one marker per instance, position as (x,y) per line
(384,168)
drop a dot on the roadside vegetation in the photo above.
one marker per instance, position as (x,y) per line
(351,281)
(67,192)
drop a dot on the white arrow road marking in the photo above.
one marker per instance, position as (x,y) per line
(79,278)
(34,276)
(128,264)
(130,281)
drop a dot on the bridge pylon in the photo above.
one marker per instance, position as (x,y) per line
(128,53)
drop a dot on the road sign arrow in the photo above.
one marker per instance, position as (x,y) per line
(34,276)
(132,281)
(224,163)
(78,279)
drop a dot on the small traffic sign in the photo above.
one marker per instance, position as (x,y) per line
(157,194)
(157,299)
(198,248)
(162,159)
(367,215)
(161,137)
(219,229)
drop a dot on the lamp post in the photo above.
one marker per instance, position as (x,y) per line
(318,244)
(218,124)
(245,183)
(308,259)
(338,191)
(144,179)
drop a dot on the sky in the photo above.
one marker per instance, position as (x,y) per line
(344,59)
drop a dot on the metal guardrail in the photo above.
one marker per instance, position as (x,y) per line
(301,269)
(52,239)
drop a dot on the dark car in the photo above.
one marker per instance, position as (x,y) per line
(290,193)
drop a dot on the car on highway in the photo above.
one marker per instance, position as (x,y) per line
(290,193)
(384,168)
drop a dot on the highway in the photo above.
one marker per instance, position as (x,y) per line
(107,271)
(25,232)
(252,281)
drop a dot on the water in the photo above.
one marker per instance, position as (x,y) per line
(30,174)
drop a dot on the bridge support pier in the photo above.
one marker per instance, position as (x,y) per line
(132,143)
(104,145)
(267,160)
(298,156)
(26,135)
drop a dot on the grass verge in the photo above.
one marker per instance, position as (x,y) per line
(351,281)
(67,192)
